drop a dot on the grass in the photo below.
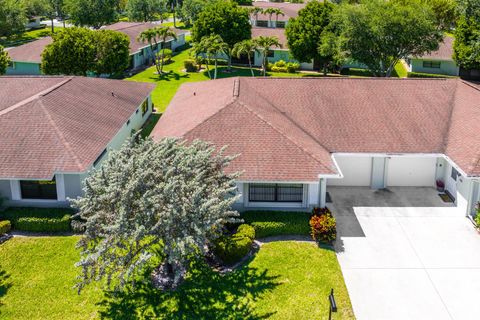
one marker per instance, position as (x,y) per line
(150,124)
(398,72)
(275,223)
(284,280)
(25,37)
(168,83)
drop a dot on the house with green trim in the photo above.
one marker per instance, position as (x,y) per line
(436,62)
(27,58)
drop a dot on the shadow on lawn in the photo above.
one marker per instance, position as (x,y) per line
(5,284)
(206,294)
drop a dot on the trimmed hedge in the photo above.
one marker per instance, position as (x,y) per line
(39,219)
(5,227)
(231,249)
(426,75)
(274,223)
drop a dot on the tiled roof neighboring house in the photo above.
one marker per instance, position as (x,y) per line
(133,29)
(269,32)
(30,52)
(444,52)
(287,129)
(290,10)
(61,124)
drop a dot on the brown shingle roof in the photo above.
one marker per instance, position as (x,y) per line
(271,32)
(286,129)
(61,124)
(32,51)
(444,52)
(133,29)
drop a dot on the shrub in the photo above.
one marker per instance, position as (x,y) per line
(293,67)
(38,219)
(190,65)
(477,217)
(274,223)
(231,249)
(323,225)
(167,54)
(279,69)
(426,75)
(280,64)
(5,227)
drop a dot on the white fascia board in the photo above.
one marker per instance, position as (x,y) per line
(276,181)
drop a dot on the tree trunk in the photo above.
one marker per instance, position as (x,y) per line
(174,6)
(161,63)
(208,69)
(53,30)
(265,60)
(250,64)
(324,69)
(215,75)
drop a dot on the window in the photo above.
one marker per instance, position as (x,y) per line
(11,64)
(140,53)
(454,174)
(99,157)
(262,23)
(280,24)
(431,64)
(167,45)
(144,107)
(128,122)
(39,189)
(259,192)
(271,53)
(137,111)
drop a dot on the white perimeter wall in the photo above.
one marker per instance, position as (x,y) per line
(357,171)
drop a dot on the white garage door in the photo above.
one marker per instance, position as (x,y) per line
(411,172)
(357,171)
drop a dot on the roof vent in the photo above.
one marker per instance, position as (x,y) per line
(236,87)
(113,94)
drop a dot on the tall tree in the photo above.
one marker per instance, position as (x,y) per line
(12,18)
(378,33)
(163,33)
(215,47)
(145,10)
(278,12)
(270,12)
(254,12)
(155,37)
(467,36)
(190,9)
(444,12)
(4,60)
(113,53)
(150,209)
(150,36)
(245,47)
(304,33)
(92,13)
(226,19)
(264,44)
(35,7)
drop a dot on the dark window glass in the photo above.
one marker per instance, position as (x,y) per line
(41,189)
(262,23)
(280,24)
(431,64)
(259,192)
(144,107)
(271,53)
(454,174)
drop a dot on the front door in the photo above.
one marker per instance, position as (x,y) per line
(451,183)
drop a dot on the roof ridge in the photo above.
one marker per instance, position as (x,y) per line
(60,135)
(35,96)
(449,124)
(134,24)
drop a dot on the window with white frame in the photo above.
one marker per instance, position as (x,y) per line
(275,192)
(39,189)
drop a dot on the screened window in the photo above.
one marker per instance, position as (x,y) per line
(454,174)
(262,23)
(144,107)
(431,64)
(260,192)
(271,54)
(95,163)
(39,189)
(280,24)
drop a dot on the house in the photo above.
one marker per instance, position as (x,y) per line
(140,53)
(27,58)
(298,137)
(56,129)
(436,62)
(290,10)
(276,54)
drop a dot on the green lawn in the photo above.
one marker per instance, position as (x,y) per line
(26,37)
(284,280)
(168,84)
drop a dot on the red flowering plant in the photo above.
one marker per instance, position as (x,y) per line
(323,226)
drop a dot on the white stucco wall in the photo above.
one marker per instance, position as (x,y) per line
(411,171)
(447,67)
(357,171)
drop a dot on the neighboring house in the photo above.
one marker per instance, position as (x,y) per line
(437,62)
(27,58)
(34,22)
(290,10)
(55,129)
(298,137)
(140,52)
(276,54)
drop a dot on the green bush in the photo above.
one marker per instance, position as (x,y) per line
(280,64)
(356,72)
(5,227)
(232,248)
(293,67)
(274,223)
(38,219)
(279,69)
(323,226)
(167,54)
(44,224)
(190,65)
(426,75)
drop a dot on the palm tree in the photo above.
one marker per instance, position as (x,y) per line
(255,11)
(163,33)
(245,47)
(215,46)
(149,36)
(270,12)
(278,12)
(264,45)
(199,49)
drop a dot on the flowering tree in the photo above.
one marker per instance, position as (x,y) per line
(150,208)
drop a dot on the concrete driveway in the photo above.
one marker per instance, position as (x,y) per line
(405,254)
